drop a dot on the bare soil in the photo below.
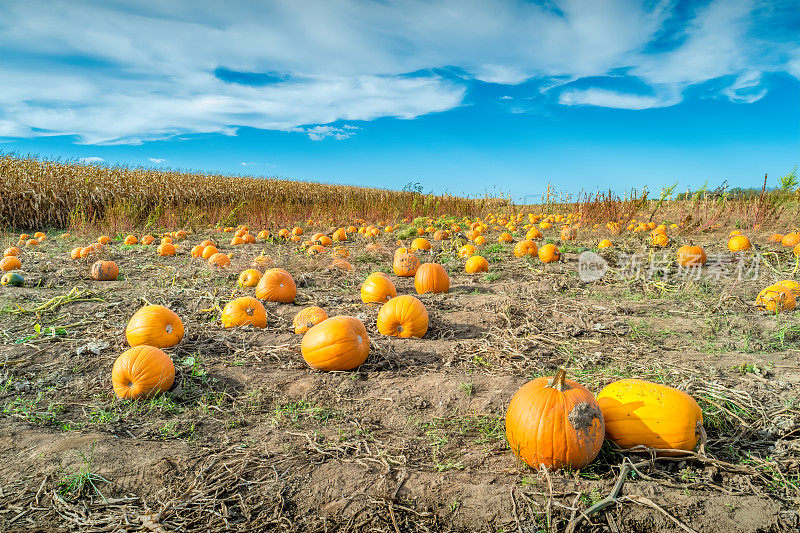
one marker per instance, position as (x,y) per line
(250,438)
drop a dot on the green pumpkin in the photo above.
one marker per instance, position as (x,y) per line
(13,279)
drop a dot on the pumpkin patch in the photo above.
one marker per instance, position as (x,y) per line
(431,344)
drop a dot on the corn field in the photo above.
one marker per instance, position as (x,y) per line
(36,193)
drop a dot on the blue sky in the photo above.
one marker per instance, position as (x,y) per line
(463,96)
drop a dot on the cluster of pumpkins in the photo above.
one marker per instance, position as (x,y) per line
(11,258)
(558,423)
(781,296)
(553,422)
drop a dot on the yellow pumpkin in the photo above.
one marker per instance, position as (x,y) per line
(738,243)
(641,413)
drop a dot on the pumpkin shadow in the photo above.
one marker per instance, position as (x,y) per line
(471,289)
(443,330)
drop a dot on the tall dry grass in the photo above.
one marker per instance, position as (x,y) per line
(36,193)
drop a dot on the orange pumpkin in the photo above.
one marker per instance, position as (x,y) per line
(338,343)
(549,253)
(262,261)
(340,252)
(276,285)
(776,298)
(691,256)
(249,278)
(10,262)
(154,325)
(605,243)
(790,240)
(308,318)
(142,372)
(208,251)
(403,316)
(76,253)
(467,250)
(340,235)
(660,240)
(148,239)
(476,263)
(738,243)
(420,243)
(105,270)
(219,260)
(104,239)
(30,243)
(555,422)
(405,264)
(263,235)
(525,248)
(341,264)
(377,288)
(166,249)
(197,251)
(244,311)
(568,233)
(11,250)
(431,277)
(236,241)
(505,237)
(776,237)
(533,233)
(315,250)
(297,231)
(283,233)
(791,286)
(131,240)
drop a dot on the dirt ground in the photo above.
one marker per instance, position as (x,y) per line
(250,439)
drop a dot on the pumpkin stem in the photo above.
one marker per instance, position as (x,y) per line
(559,381)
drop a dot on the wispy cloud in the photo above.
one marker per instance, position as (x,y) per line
(247,163)
(158,70)
(92,159)
(615,99)
(157,161)
(317,133)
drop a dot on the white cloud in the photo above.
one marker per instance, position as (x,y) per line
(157,161)
(794,65)
(247,163)
(619,100)
(317,133)
(746,89)
(146,71)
(92,159)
